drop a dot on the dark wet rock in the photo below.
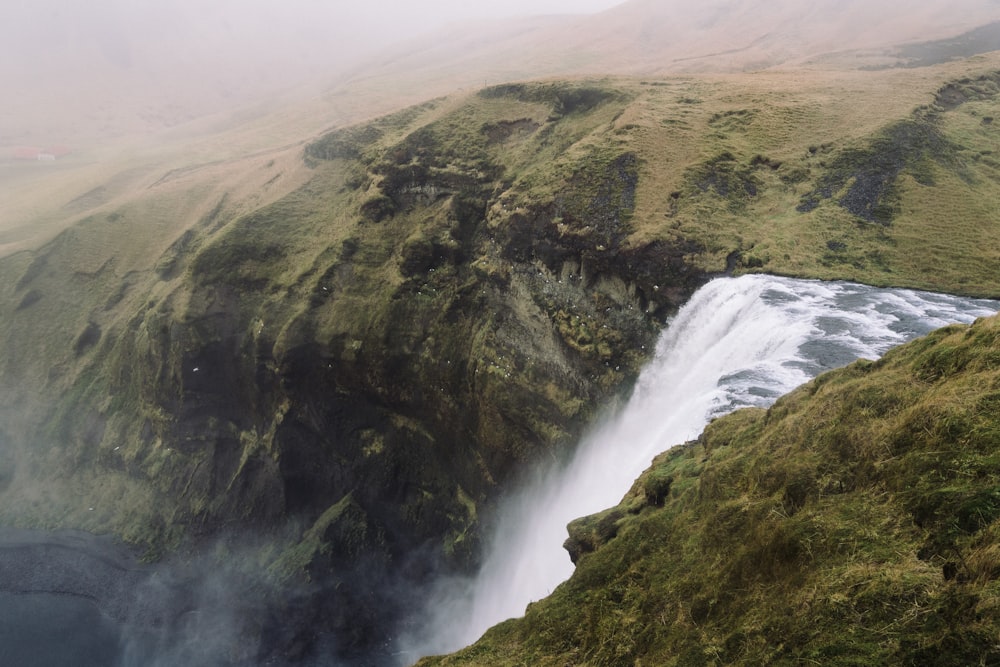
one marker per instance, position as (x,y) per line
(589,533)
(503,130)
(88,338)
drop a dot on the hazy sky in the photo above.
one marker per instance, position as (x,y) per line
(390,19)
(52,34)
(464,8)
(100,63)
(103,57)
(392,16)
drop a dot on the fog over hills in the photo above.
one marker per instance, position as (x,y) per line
(83,71)
(735,35)
(118,67)
(113,67)
(647,37)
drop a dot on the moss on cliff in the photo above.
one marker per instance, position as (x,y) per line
(351,381)
(855,522)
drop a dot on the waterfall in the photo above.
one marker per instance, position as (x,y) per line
(738,342)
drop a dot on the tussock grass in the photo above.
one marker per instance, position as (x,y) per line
(781,135)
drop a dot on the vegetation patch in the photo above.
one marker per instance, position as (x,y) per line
(503,130)
(865,180)
(600,197)
(565,98)
(732,120)
(727,178)
(345,144)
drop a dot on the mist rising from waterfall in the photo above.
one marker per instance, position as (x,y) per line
(738,342)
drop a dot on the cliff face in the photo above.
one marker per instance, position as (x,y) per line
(854,522)
(355,370)
(333,388)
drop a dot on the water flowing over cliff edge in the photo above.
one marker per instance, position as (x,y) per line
(853,522)
(737,343)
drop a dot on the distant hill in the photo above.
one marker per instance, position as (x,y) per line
(651,37)
(742,35)
(77,72)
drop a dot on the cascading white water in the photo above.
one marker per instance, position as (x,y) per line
(738,342)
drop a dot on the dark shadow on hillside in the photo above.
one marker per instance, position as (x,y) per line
(980,40)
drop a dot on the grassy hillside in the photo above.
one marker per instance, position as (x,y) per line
(347,349)
(825,184)
(856,522)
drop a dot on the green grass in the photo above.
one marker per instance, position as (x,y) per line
(776,178)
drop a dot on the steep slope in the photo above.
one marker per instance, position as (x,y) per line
(347,355)
(351,372)
(855,522)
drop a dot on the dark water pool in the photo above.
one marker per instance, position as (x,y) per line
(46,630)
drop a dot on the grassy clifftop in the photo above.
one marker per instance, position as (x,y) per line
(856,522)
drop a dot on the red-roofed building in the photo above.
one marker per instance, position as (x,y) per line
(27,153)
(34,153)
